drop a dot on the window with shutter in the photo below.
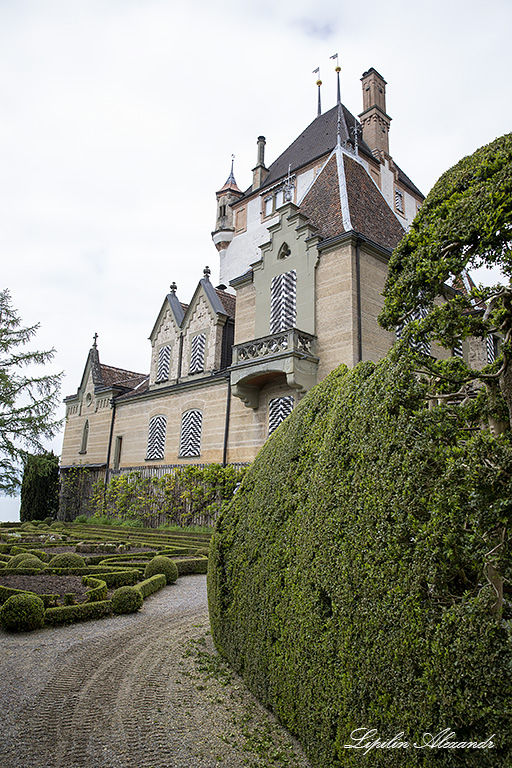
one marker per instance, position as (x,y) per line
(164,357)
(420,313)
(399,200)
(190,440)
(197,349)
(156,438)
(85,438)
(278,409)
(491,343)
(283,302)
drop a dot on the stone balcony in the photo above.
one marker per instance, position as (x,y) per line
(290,353)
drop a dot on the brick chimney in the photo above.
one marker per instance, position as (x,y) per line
(374,119)
(259,173)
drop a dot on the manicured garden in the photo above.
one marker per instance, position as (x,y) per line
(58,573)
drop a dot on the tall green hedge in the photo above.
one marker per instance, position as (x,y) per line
(347,578)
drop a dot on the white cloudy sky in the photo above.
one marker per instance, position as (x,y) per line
(119,118)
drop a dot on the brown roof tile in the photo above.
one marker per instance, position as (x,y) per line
(370,215)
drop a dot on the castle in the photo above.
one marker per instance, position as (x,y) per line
(303,260)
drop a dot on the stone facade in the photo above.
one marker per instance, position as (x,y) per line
(303,261)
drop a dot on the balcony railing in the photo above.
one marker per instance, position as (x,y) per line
(288,353)
(290,341)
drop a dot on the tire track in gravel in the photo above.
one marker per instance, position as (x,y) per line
(112,701)
(129,692)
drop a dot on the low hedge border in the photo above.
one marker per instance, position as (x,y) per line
(89,570)
(69,614)
(98,589)
(151,585)
(191,565)
(120,578)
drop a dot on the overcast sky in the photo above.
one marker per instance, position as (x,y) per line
(119,118)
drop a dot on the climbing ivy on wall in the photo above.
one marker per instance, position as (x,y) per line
(349,579)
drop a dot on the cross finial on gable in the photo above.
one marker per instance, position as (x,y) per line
(207,272)
(95,337)
(174,287)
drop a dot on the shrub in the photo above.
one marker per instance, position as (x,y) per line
(348,577)
(19,558)
(126,600)
(30,562)
(22,613)
(163,565)
(191,565)
(67,560)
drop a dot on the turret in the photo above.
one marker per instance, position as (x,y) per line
(226,196)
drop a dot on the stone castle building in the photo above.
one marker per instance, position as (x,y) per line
(303,260)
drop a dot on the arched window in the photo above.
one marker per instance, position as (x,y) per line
(156,438)
(85,437)
(190,440)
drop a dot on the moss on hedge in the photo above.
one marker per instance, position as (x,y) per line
(22,613)
(347,577)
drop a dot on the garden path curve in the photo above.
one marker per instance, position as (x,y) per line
(140,691)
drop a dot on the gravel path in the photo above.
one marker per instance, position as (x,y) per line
(140,691)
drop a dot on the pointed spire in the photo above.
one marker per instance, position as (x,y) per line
(230,181)
(319,83)
(337,70)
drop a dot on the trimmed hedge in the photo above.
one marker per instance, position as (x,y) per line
(98,589)
(151,585)
(7,592)
(347,578)
(119,578)
(191,565)
(69,614)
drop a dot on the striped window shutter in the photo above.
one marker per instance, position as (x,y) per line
(278,409)
(420,313)
(283,302)
(156,437)
(457,350)
(492,348)
(164,357)
(190,441)
(197,353)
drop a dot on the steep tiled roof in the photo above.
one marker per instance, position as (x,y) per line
(120,377)
(228,301)
(344,198)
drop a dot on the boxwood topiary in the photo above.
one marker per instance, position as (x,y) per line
(30,562)
(22,613)
(165,565)
(21,557)
(349,577)
(126,600)
(67,560)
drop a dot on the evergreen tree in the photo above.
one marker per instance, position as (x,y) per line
(27,402)
(40,487)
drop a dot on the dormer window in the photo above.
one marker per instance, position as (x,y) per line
(272,201)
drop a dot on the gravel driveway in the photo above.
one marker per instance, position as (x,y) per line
(140,691)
